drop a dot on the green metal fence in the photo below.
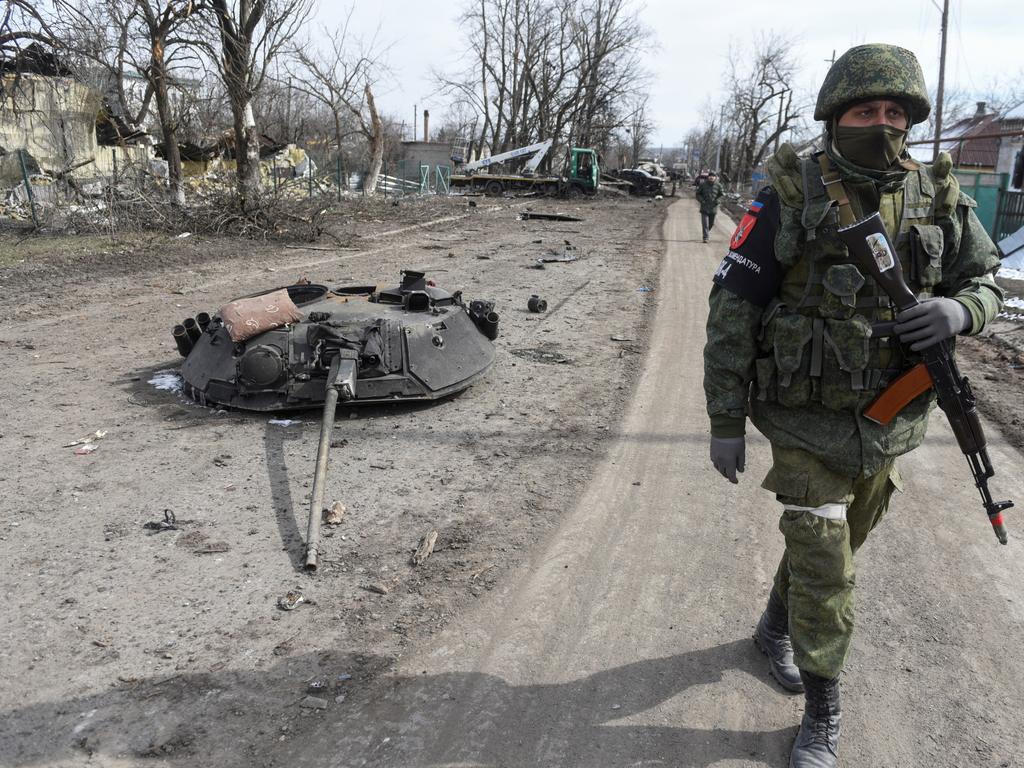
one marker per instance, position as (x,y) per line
(986,189)
(1010,216)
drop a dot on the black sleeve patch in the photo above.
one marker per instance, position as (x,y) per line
(750,269)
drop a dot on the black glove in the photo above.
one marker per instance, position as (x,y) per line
(729,454)
(931,321)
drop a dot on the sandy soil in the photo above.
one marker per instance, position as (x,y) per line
(121,643)
(126,647)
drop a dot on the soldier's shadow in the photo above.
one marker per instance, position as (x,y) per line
(604,719)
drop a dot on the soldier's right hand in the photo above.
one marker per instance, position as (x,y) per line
(729,455)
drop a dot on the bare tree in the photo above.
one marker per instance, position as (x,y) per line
(342,78)
(561,69)
(251,34)
(22,23)
(639,127)
(760,100)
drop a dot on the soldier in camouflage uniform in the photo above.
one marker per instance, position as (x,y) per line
(709,192)
(790,344)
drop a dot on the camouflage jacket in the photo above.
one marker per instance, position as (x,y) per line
(708,195)
(789,332)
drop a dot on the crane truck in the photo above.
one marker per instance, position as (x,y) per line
(580,176)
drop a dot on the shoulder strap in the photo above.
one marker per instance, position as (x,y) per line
(836,191)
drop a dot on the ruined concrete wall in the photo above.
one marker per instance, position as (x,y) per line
(54,120)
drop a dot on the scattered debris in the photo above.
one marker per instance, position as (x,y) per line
(213,548)
(168,381)
(622,338)
(317,685)
(530,215)
(85,450)
(644,289)
(542,355)
(290,601)
(536,304)
(380,589)
(553,257)
(169,523)
(313,702)
(336,514)
(425,548)
(284,422)
(481,571)
(99,434)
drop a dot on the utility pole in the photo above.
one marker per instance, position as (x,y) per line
(942,81)
(825,126)
(718,150)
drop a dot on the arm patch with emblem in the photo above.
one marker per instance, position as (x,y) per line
(750,269)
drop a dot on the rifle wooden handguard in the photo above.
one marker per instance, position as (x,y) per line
(897,395)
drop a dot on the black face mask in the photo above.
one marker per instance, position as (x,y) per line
(876,147)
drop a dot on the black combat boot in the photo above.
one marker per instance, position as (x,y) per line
(772,637)
(817,744)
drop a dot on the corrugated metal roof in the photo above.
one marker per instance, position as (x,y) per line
(972,152)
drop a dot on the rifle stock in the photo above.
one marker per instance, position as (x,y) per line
(872,250)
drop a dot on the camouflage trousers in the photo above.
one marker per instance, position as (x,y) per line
(816,576)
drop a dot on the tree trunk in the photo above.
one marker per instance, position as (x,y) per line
(376,137)
(167,126)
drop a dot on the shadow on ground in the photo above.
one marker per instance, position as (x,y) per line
(256,718)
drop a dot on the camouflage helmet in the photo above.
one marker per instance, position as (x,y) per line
(875,71)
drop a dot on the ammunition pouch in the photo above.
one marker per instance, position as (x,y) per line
(926,243)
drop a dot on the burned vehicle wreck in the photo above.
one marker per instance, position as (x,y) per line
(413,342)
(307,345)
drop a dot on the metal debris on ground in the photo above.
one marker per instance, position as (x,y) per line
(336,514)
(169,523)
(213,548)
(317,685)
(290,601)
(551,257)
(536,304)
(99,434)
(424,549)
(530,215)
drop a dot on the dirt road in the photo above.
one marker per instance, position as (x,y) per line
(624,641)
(591,597)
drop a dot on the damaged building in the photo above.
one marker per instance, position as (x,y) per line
(62,125)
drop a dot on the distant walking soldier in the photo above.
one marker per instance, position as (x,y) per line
(709,192)
(790,344)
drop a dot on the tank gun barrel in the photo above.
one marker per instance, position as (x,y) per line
(341,384)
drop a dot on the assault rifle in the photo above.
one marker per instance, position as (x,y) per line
(872,250)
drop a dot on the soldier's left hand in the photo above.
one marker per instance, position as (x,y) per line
(931,321)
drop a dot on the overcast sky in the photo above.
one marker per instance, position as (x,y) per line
(986,38)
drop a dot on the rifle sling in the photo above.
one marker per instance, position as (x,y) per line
(836,191)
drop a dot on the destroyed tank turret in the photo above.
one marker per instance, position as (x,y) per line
(413,342)
(308,345)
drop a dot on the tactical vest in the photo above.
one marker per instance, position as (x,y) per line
(816,339)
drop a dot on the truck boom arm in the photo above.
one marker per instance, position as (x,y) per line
(538,150)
